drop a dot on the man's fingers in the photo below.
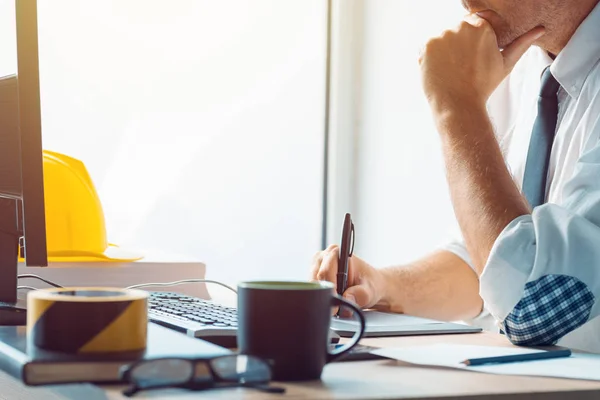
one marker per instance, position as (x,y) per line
(328,268)
(331,247)
(513,53)
(316,265)
(359,295)
(324,267)
(317,260)
(475,20)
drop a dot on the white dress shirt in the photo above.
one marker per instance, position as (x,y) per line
(541,283)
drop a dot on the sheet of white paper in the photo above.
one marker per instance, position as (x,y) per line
(376,318)
(578,366)
(446,355)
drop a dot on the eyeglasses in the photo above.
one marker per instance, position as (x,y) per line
(220,372)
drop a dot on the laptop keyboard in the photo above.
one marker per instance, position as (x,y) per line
(186,308)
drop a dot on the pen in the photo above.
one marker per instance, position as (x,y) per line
(346,249)
(543,355)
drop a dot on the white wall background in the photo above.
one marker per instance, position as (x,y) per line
(200,121)
(402,209)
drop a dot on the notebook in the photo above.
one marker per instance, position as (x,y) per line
(39,367)
(380,324)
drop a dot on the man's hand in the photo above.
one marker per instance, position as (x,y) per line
(364,281)
(439,286)
(464,66)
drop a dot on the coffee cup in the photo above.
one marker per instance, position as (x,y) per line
(288,324)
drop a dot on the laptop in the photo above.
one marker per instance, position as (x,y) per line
(381,324)
(216,323)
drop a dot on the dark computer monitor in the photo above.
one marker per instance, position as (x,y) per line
(22,214)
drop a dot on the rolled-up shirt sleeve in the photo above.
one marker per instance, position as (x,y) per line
(484,319)
(542,278)
(459,249)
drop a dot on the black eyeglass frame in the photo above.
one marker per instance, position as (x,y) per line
(216,381)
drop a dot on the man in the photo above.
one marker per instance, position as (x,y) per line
(520,132)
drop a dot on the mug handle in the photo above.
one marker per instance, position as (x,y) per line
(338,300)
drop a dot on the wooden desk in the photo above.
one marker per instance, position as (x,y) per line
(383,379)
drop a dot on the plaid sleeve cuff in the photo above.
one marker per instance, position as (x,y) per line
(551,307)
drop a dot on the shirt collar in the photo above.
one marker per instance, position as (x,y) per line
(575,62)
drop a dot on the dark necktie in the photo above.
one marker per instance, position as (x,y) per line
(542,137)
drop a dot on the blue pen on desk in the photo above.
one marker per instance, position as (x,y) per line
(542,355)
(346,249)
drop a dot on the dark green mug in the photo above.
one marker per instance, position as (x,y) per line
(288,324)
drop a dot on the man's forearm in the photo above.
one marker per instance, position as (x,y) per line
(441,286)
(484,195)
(460,70)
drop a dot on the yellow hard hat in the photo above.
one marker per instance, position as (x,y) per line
(75,225)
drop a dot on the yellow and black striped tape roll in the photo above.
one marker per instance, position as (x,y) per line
(88,320)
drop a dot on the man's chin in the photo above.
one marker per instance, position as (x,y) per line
(504,34)
(504,43)
(505,40)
